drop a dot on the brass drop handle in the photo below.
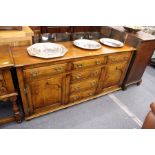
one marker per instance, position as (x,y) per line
(90,94)
(78,77)
(76,97)
(120,69)
(113,59)
(3,90)
(79,65)
(59,69)
(77,88)
(98,62)
(94,73)
(93,83)
(34,73)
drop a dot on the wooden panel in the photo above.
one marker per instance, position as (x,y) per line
(119,57)
(77,87)
(114,74)
(43,71)
(82,95)
(97,61)
(83,75)
(45,92)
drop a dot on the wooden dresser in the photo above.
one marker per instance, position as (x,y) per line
(47,85)
(7,90)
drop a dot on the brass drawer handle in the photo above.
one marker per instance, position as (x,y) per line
(77,77)
(90,94)
(94,73)
(3,90)
(93,83)
(79,65)
(113,60)
(59,69)
(76,97)
(98,62)
(77,88)
(34,73)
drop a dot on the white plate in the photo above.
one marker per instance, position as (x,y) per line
(111,42)
(87,44)
(47,50)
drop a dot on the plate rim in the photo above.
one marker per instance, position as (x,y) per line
(62,54)
(87,48)
(122,44)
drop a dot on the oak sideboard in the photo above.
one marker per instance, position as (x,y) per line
(47,85)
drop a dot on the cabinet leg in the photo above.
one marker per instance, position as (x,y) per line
(138,83)
(124,87)
(16,110)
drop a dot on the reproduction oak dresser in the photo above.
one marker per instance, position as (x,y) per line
(47,85)
(7,90)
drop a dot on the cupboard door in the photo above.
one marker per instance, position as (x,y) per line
(46,92)
(114,75)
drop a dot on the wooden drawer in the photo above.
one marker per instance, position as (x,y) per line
(82,95)
(47,70)
(3,89)
(97,61)
(77,87)
(116,58)
(82,75)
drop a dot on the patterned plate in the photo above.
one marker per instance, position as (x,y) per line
(111,42)
(47,50)
(87,44)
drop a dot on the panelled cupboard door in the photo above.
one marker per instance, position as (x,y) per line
(45,92)
(114,74)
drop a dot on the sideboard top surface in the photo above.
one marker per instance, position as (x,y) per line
(22,58)
(5,57)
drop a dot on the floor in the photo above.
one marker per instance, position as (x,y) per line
(118,110)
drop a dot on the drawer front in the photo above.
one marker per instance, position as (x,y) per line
(82,95)
(116,58)
(89,62)
(3,89)
(77,87)
(82,75)
(47,70)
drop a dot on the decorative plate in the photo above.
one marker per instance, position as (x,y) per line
(87,44)
(47,50)
(111,42)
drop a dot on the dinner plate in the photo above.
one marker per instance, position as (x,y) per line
(111,42)
(87,44)
(47,50)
